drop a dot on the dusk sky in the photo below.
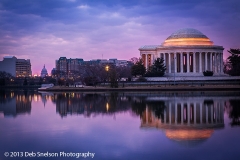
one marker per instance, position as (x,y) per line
(44,30)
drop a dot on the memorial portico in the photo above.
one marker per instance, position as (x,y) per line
(186,52)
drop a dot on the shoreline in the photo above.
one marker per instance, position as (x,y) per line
(146,88)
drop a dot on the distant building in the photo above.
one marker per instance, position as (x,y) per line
(71,67)
(16,67)
(54,71)
(68,66)
(9,65)
(44,72)
(23,68)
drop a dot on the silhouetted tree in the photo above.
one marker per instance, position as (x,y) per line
(157,69)
(31,81)
(234,61)
(123,72)
(40,82)
(226,67)
(138,68)
(113,78)
(92,74)
(134,60)
(2,82)
(5,78)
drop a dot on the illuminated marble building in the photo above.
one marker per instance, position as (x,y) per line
(189,120)
(186,52)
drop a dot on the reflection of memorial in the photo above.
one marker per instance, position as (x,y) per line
(17,104)
(187,120)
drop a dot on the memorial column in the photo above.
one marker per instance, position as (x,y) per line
(200,62)
(152,55)
(217,62)
(221,66)
(188,62)
(164,57)
(206,62)
(214,58)
(211,62)
(194,62)
(146,61)
(181,62)
(175,62)
(169,62)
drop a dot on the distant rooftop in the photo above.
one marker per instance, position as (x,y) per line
(9,57)
(149,47)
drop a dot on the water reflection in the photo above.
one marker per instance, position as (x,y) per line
(89,104)
(121,125)
(14,103)
(233,109)
(191,121)
(182,109)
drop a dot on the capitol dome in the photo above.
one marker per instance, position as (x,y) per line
(44,72)
(187,36)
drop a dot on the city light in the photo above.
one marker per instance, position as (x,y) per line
(107,106)
(107,68)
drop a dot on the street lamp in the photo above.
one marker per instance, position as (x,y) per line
(107,68)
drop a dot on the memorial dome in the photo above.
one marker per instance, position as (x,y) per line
(187,36)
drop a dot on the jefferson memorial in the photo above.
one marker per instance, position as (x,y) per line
(186,52)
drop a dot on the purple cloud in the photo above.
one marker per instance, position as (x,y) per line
(45,30)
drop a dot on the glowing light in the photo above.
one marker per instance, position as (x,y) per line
(188,41)
(107,68)
(35,98)
(107,106)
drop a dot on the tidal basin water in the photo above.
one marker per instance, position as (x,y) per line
(120,125)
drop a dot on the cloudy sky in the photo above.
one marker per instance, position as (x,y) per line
(44,30)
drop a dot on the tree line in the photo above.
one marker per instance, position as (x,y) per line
(156,70)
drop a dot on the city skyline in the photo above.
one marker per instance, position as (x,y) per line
(43,31)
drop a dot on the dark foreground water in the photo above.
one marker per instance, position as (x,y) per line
(130,125)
